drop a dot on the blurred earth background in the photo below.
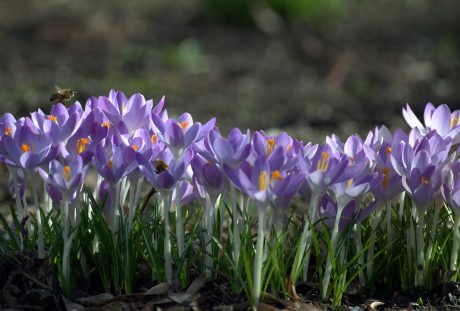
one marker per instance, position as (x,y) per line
(309,67)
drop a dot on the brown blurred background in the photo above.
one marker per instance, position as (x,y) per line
(309,67)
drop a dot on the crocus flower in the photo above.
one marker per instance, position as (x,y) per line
(231,150)
(64,180)
(59,123)
(265,183)
(209,175)
(27,147)
(164,171)
(184,193)
(180,134)
(441,119)
(451,193)
(351,214)
(126,115)
(421,167)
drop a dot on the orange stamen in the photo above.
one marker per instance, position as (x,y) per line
(53,118)
(110,164)
(271,144)
(8,131)
(135,147)
(388,150)
(67,174)
(81,144)
(25,148)
(154,138)
(183,125)
(276,175)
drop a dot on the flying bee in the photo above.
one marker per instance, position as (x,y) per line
(160,166)
(62,95)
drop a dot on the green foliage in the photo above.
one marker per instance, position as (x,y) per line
(111,261)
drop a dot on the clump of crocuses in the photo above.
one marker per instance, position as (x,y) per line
(130,144)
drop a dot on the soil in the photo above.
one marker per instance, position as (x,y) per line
(31,284)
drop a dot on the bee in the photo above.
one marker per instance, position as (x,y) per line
(160,166)
(62,95)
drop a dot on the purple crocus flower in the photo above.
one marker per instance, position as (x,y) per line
(209,175)
(59,123)
(351,214)
(184,193)
(451,187)
(180,134)
(440,119)
(379,155)
(164,171)
(27,147)
(126,115)
(231,150)
(64,180)
(264,183)
(110,163)
(421,166)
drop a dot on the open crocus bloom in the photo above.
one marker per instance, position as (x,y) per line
(27,147)
(64,179)
(441,119)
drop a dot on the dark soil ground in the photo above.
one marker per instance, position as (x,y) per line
(31,284)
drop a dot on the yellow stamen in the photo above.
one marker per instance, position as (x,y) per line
(349,182)
(386,177)
(105,124)
(453,122)
(8,131)
(154,138)
(425,180)
(276,175)
(53,118)
(271,144)
(81,144)
(123,106)
(388,150)
(67,173)
(263,180)
(135,147)
(25,148)
(323,164)
(110,164)
(183,125)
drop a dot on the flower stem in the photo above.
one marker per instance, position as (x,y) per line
(131,207)
(65,218)
(434,224)
(305,243)
(41,244)
(331,254)
(236,227)
(259,254)
(313,209)
(420,248)
(166,197)
(179,224)
(14,173)
(359,247)
(370,252)
(455,243)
